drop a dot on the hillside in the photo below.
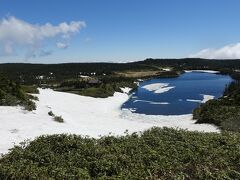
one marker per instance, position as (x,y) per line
(223,112)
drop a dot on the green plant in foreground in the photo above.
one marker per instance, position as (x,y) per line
(154,154)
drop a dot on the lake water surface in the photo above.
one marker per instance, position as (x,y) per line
(176,96)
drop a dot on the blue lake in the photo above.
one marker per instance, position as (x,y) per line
(182,95)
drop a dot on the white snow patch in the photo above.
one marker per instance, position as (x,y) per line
(194,100)
(158,87)
(205,99)
(82,115)
(126,90)
(203,71)
(166,69)
(150,102)
(39,77)
(132,109)
(137,83)
(172,121)
(82,76)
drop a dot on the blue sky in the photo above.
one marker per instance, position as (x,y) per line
(119,30)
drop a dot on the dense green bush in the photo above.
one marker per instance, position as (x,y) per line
(29,105)
(100,92)
(104,89)
(50,113)
(12,94)
(223,112)
(155,154)
(58,119)
(30,89)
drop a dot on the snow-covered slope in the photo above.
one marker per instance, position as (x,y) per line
(82,115)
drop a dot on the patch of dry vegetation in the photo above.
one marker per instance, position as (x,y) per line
(137,74)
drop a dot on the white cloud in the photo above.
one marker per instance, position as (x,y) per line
(17,33)
(61,45)
(231,51)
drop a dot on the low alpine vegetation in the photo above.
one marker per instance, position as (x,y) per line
(223,112)
(50,113)
(154,154)
(12,94)
(56,118)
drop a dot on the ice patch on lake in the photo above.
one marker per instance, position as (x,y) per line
(194,100)
(150,102)
(207,98)
(203,71)
(158,87)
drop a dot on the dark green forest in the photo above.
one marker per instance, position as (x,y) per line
(67,77)
(29,73)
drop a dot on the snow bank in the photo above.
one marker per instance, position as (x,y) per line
(82,115)
(172,121)
(126,90)
(203,71)
(158,87)
(166,69)
(205,99)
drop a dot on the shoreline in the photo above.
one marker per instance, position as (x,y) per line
(203,71)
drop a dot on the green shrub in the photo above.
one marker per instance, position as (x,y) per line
(30,89)
(58,119)
(100,92)
(35,98)
(154,154)
(29,105)
(12,94)
(223,112)
(50,113)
